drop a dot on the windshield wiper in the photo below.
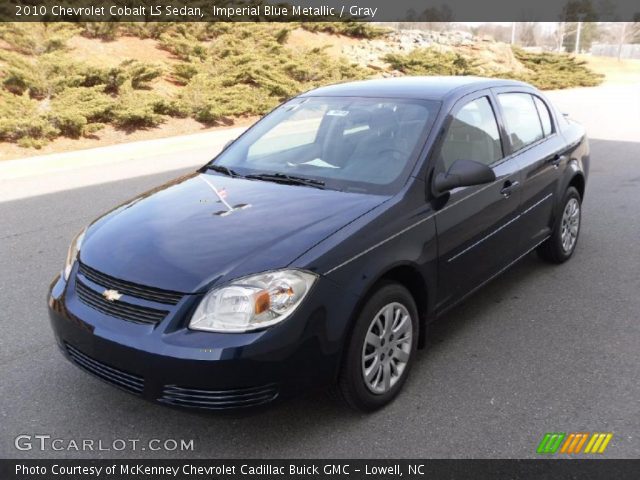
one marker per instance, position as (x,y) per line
(287,179)
(222,169)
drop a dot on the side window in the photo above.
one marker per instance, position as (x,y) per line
(472,135)
(521,119)
(545,117)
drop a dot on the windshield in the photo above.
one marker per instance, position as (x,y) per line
(342,143)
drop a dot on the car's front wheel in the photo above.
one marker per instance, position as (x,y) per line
(561,244)
(381,349)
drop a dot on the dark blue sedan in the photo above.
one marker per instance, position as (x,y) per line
(316,247)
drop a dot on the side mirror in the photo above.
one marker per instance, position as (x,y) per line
(463,173)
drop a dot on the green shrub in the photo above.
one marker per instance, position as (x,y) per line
(544,70)
(349,29)
(140,73)
(36,38)
(248,71)
(112,78)
(183,72)
(32,142)
(46,75)
(226,70)
(556,71)
(92,128)
(282,35)
(75,109)
(185,41)
(145,29)
(50,74)
(207,100)
(430,61)
(19,73)
(107,31)
(70,123)
(135,109)
(22,120)
(73,113)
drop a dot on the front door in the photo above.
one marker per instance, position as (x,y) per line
(477,231)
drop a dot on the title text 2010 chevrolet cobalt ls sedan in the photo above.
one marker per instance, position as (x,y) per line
(316,247)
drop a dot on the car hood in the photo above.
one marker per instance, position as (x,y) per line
(182,237)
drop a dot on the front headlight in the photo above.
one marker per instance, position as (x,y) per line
(253,302)
(72,254)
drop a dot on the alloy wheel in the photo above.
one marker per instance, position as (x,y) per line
(570,225)
(387,348)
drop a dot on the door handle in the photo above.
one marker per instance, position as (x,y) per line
(507,188)
(556,160)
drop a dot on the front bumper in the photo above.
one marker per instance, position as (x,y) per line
(171,364)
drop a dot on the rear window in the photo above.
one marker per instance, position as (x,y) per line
(521,119)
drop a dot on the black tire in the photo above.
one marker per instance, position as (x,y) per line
(352,387)
(553,250)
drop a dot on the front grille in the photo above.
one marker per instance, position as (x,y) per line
(118,309)
(132,289)
(126,381)
(218,399)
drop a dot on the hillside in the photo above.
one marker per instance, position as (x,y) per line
(67,86)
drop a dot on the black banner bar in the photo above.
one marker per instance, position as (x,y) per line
(318,10)
(318,469)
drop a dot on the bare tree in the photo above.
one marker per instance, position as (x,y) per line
(528,33)
(500,33)
(557,36)
(629,33)
(434,18)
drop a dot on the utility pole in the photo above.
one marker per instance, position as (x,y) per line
(622,37)
(561,37)
(577,50)
(513,33)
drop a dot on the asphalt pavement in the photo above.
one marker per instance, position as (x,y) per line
(541,349)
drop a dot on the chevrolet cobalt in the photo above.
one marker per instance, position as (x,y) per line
(317,246)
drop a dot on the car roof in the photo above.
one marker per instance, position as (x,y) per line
(428,88)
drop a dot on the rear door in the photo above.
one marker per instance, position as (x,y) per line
(540,151)
(477,235)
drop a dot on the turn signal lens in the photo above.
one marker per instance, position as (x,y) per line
(72,254)
(262,302)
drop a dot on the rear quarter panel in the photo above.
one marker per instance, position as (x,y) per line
(578,153)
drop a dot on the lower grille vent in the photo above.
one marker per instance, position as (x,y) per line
(218,399)
(126,381)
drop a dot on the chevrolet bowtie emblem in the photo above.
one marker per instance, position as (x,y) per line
(112,295)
